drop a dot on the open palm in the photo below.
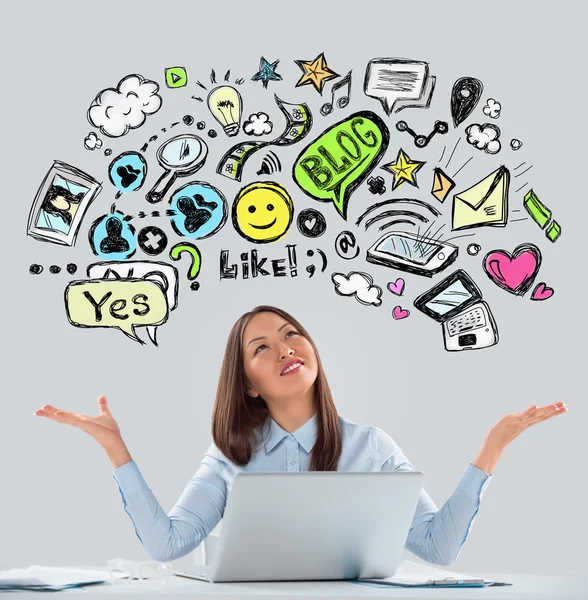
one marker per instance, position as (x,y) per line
(103,428)
(512,425)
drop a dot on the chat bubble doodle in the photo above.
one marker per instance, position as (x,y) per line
(111,236)
(120,304)
(127,172)
(340,159)
(160,272)
(200,210)
(399,83)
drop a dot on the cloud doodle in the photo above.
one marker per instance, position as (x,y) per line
(484,137)
(92,141)
(358,284)
(492,108)
(115,111)
(258,124)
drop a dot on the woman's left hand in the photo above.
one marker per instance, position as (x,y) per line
(510,427)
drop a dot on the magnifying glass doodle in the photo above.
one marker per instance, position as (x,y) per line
(180,156)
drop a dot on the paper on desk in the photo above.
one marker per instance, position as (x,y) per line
(37,577)
(411,573)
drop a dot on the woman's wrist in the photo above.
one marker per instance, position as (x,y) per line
(118,453)
(489,455)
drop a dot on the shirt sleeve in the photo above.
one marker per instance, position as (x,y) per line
(170,536)
(436,535)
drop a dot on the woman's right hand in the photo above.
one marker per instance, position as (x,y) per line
(102,428)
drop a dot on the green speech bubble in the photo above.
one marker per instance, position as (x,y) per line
(332,166)
(124,304)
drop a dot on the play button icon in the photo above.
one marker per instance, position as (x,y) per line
(176,77)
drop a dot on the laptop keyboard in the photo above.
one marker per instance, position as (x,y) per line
(467,321)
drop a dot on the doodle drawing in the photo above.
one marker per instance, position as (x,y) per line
(263,212)
(360,285)
(412,253)
(341,158)
(514,272)
(316,72)
(467,321)
(180,156)
(399,83)
(483,204)
(117,111)
(60,204)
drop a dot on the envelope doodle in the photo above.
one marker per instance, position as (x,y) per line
(485,203)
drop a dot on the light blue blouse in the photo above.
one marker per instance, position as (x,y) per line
(436,535)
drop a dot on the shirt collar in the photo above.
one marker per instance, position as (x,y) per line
(305,435)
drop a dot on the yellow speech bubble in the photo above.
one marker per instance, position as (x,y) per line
(123,304)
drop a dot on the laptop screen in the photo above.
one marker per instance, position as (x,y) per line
(449,299)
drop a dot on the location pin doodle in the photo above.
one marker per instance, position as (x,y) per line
(193,251)
(127,172)
(465,95)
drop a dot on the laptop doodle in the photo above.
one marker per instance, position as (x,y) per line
(456,302)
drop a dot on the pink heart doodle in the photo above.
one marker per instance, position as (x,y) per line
(514,273)
(397,287)
(541,292)
(400,313)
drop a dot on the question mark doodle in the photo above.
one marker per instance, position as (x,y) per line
(193,251)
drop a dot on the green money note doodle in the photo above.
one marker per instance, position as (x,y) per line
(340,159)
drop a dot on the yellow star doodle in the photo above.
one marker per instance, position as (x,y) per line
(316,72)
(403,169)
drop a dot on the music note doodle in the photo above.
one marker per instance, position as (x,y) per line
(343,101)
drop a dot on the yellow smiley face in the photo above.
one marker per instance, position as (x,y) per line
(262,212)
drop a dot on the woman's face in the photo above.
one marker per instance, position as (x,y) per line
(279,362)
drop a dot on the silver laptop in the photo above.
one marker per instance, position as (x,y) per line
(313,526)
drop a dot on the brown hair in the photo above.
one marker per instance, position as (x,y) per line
(236,414)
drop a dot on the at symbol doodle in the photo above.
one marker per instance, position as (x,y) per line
(346,245)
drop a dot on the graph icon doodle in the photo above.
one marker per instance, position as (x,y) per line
(421,141)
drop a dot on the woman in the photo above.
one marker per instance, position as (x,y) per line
(274,412)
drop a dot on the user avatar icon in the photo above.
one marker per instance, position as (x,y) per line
(113,242)
(195,217)
(112,237)
(199,210)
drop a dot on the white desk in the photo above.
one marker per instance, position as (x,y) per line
(525,587)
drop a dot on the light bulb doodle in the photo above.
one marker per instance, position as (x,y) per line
(225,104)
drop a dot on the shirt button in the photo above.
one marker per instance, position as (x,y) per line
(292,462)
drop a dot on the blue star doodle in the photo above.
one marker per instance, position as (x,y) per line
(267,72)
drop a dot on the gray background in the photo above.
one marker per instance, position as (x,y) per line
(58,502)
